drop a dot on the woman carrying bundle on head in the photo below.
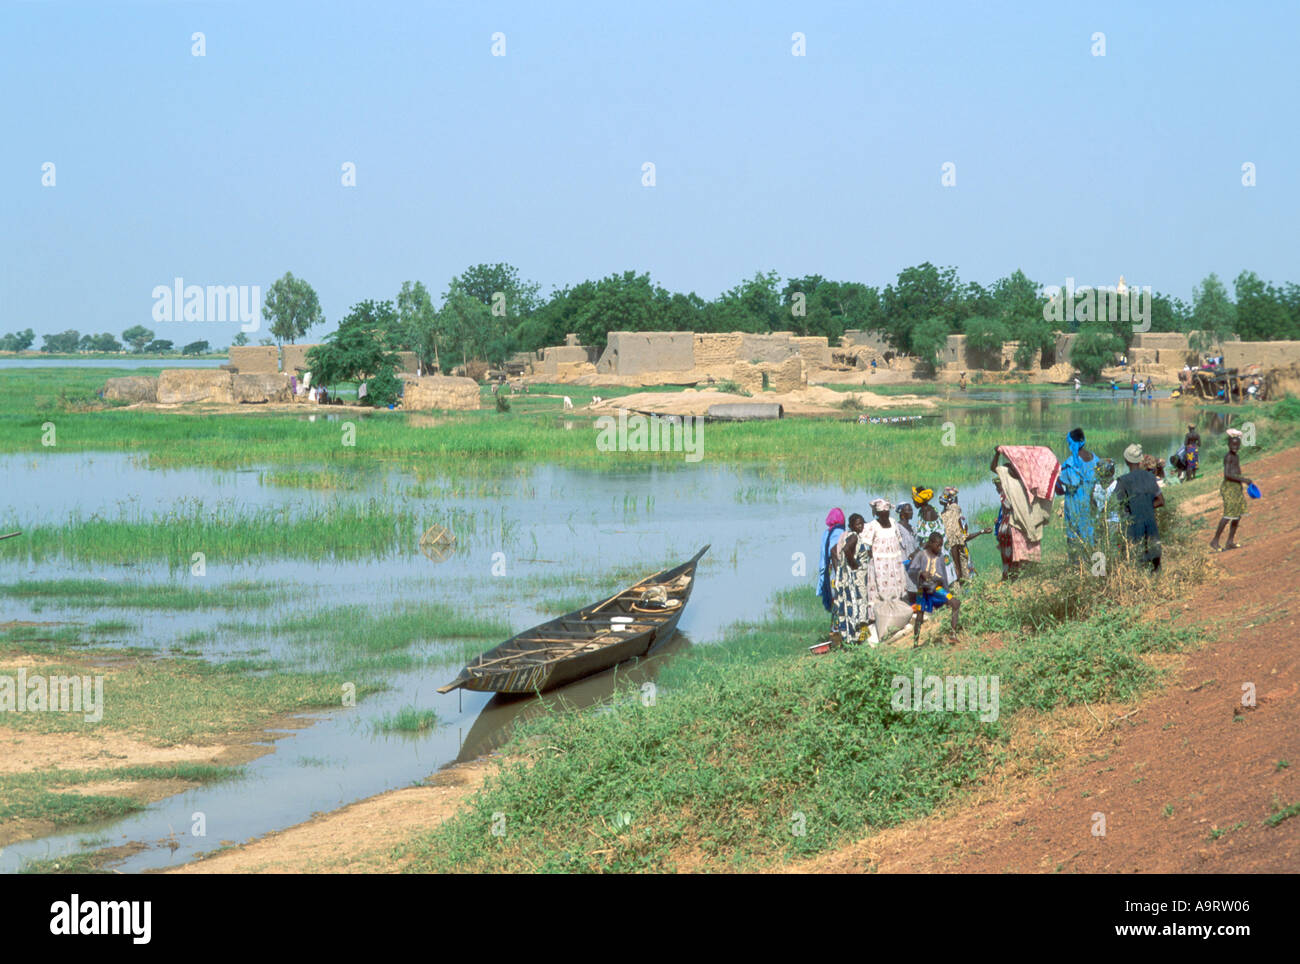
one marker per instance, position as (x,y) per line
(1027,484)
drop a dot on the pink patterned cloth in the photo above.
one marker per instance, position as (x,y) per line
(1037,467)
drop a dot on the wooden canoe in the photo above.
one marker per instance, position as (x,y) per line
(584,641)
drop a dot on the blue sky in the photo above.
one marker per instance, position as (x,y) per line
(226,168)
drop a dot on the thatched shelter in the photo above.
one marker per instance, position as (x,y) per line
(132,388)
(440,392)
(181,385)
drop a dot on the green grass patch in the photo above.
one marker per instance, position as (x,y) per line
(172,701)
(41,795)
(408,719)
(1283,813)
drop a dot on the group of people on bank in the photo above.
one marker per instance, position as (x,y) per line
(876,576)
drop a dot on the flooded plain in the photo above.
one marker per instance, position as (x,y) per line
(526,539)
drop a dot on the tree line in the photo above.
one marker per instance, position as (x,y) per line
(489,311)
(137,339)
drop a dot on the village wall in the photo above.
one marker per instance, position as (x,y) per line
(716,350)
(642,352)
(551,358)
(815,350)
(294,358)
(786,376)
(1266,354)
(255,359)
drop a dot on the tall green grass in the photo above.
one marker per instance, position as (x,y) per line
(221,531)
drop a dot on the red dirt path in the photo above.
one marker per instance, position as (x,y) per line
(1191,747)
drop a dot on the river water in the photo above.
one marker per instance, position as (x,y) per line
(124,361)
(517,531)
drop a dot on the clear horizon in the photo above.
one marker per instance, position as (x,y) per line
(226,169)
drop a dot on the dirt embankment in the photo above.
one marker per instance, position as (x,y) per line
(814,400)
(1186,780)
(356,839)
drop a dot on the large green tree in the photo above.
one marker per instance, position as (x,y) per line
(62,343)
(1094,348)
(985,337)
(928,339)
(137,336)
(417,323)
(922,295)
(17,340)
(500,286)
(1214,316)
(292,308)
(813,305)
(1261,310)
(754,305)
(359,348)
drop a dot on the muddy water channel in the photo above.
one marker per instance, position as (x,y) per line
(527,541)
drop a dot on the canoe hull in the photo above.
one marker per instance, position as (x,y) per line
(522,664)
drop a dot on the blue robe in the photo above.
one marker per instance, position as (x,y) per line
(1077,479)
(823,569)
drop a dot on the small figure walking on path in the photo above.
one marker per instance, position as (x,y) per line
(1232,489)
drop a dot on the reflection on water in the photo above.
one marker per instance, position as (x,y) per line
(501,713)
(528,534)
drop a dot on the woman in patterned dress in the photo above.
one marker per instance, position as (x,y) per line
(928,521)
(958,536)
(886,577)
(848,584)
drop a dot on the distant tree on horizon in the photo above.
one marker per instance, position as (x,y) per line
(292,308)
(137,336)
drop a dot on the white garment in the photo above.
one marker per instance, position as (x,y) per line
(363,391)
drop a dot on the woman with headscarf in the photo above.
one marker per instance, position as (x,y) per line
(928,521)
(848,584)
(834,526)
(1078,474)
(886,573)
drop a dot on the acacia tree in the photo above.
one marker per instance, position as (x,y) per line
(137,336)
(292,308)
(360,348)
